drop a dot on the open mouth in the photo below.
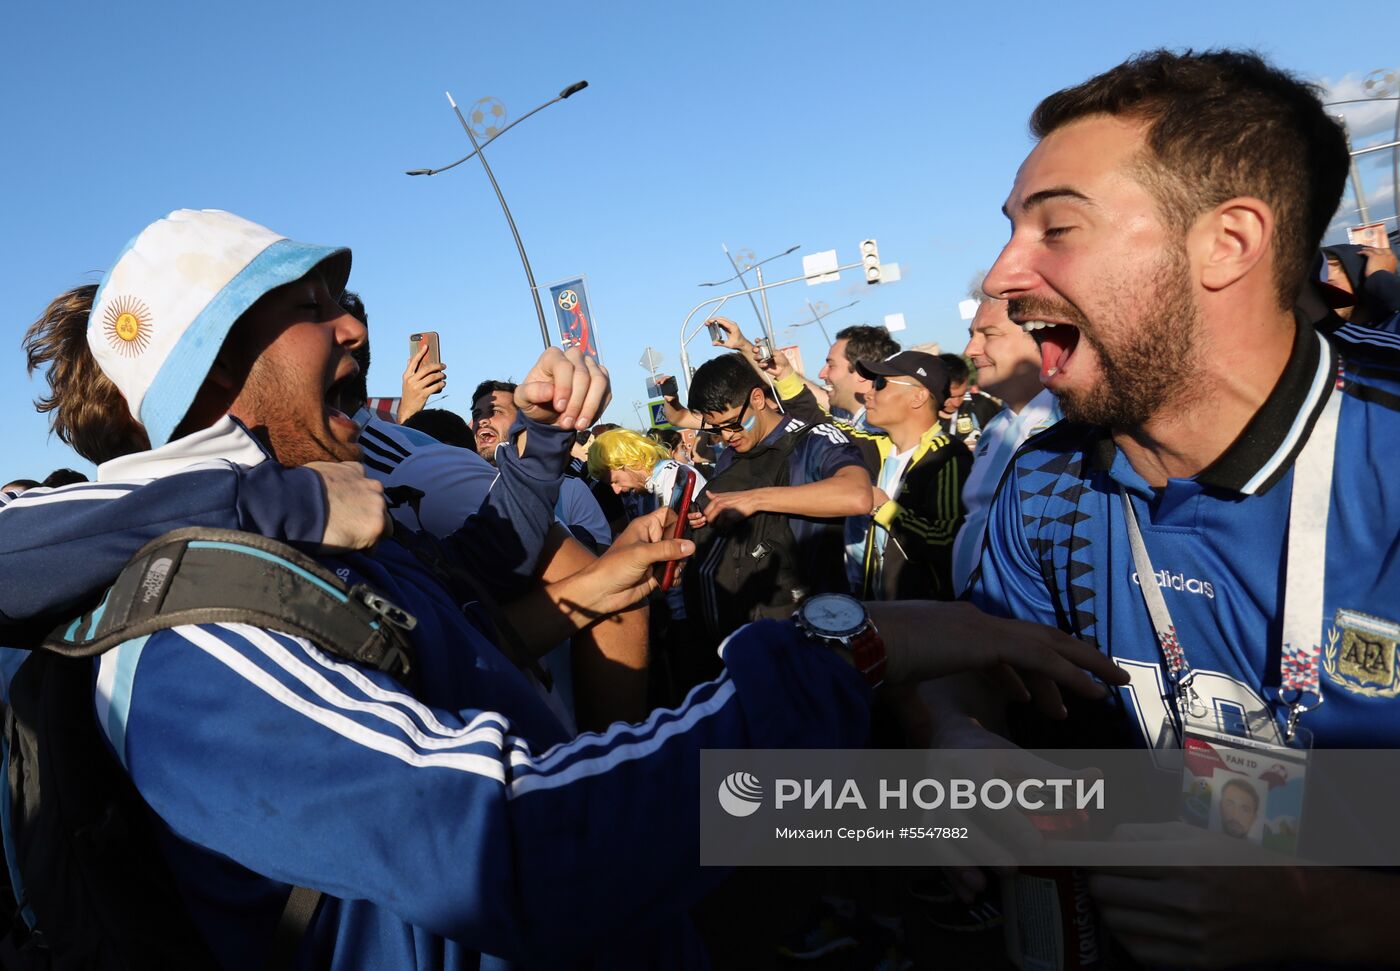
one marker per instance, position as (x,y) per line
(1057,343)
(336,393)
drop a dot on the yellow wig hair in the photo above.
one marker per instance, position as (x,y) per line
(620,448)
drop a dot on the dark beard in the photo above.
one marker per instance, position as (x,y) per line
(1153,360)
(270,411)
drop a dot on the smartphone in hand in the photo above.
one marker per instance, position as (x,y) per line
(682,492)
(416,342)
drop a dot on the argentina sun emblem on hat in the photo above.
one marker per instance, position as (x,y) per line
(126,324)
(167,304)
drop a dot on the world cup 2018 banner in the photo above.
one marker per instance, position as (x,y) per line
(571,309)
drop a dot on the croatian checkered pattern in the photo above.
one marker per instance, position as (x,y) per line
(1300,668)
(1171,650)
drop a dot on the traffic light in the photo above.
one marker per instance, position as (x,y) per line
(870,256)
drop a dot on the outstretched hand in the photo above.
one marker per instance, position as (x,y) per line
(733,337)
(1038,659)
(677,414)
(421,380)
(623,575)
(564,388)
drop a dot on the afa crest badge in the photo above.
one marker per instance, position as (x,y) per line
(1362,654)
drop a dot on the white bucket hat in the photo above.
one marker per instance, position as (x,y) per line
(165,307)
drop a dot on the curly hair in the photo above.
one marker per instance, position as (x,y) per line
(85,409)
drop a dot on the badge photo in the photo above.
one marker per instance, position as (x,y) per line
(1243,789)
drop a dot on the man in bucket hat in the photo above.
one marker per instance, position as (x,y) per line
(457,822)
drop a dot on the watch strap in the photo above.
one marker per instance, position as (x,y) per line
(868,651)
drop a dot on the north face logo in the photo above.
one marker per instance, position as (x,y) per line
(154,580)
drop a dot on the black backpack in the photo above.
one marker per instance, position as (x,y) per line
(88,886)
(751,569)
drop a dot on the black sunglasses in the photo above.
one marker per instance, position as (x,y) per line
(734,424)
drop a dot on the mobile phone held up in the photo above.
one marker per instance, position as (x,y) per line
(716,331)
(416,342)
(682,492)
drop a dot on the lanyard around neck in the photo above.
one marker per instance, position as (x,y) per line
(1303,586)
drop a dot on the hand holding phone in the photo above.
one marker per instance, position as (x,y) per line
(424,376)
(726,333)
(682,492)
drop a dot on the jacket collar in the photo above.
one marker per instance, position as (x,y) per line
(225,441)
(928,442)
(1272,439)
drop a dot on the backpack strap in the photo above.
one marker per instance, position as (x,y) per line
(206,576)
(291,927)
(219,576)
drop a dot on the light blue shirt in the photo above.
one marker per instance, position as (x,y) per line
(1003,435)
(577,507)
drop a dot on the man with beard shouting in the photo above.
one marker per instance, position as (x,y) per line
(1161,230)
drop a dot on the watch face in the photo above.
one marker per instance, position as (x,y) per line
(834,614)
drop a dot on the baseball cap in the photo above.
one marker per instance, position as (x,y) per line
(924,368)
(166,305)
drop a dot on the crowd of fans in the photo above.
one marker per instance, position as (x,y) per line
(1155,344)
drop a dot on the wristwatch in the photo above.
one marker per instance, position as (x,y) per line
(841,621)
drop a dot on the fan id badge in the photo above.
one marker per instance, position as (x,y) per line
(1245,788)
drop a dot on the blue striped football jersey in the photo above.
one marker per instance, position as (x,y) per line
(1057,552)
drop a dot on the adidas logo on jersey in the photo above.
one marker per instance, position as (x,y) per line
(1181,582)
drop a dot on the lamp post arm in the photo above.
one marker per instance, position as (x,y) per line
(1375,148)
(472,154)
(740,275)
(524,260)
(685,353)
(817,319)
(776,256)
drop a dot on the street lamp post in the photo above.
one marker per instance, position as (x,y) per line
(765,320)
(1383,83)
(481,155)
(719,302)
(748,263)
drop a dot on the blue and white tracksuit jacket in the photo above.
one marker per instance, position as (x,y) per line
(455,828)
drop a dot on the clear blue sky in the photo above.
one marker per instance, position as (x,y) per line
(759,125)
